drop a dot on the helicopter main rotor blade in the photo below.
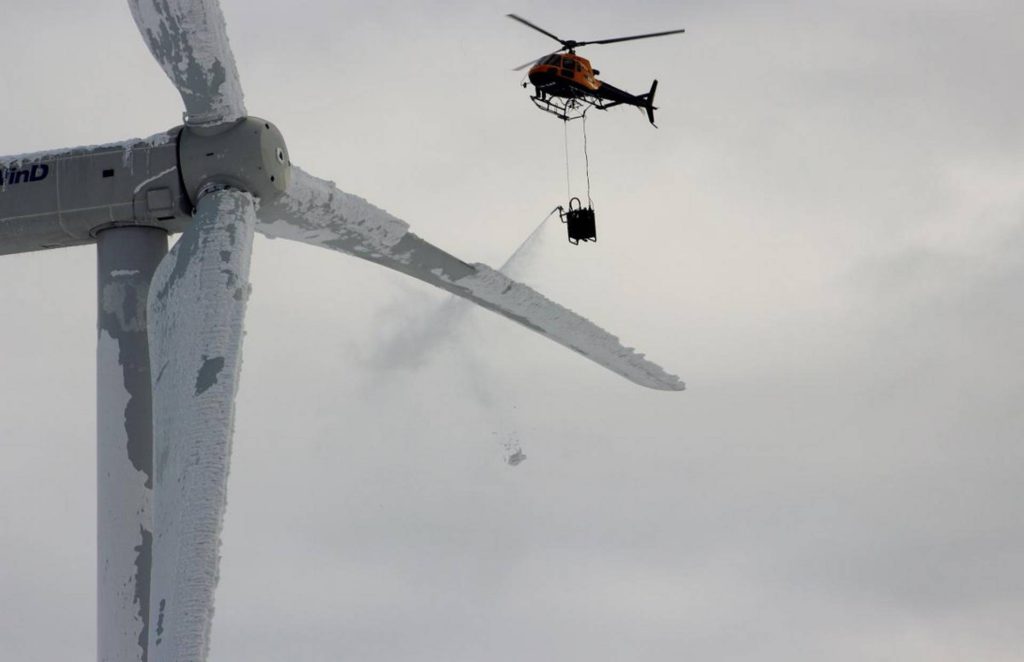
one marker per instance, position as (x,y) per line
(189,40)
(533,62)
(315,212)
(538,29)
(638,36)
(196,306)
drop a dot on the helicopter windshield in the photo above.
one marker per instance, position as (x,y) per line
(552,59)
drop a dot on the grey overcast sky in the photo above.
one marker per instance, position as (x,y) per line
(824,239)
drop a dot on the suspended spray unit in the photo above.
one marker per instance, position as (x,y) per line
(580,221)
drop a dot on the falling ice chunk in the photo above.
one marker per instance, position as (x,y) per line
(513,450)
(514,459)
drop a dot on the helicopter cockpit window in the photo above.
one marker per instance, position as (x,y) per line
(552,59)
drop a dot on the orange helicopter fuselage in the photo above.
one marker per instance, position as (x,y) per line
(565,75)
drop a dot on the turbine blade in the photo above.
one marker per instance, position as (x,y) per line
(196,310)
(189,40)
(313,211)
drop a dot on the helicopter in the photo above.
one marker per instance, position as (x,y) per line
(566,85)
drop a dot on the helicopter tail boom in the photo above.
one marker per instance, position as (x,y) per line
(612,96)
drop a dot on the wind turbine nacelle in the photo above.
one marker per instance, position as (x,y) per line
(65,198)
(249,155)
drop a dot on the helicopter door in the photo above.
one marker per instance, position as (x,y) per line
(568,67)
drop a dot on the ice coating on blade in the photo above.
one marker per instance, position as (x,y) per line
(189,40)
(127,146)
(419,337)
(315,212)
(196,310)
(495,291)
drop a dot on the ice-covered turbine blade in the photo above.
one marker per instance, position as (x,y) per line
(315,212)
(196,310)
(189,40)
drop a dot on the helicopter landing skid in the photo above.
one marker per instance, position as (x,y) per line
(563,108)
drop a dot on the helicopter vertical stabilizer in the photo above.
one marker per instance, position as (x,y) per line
(649,102)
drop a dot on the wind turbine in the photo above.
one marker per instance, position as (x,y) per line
(170,322)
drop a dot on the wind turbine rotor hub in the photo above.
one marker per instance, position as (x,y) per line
(249,155)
